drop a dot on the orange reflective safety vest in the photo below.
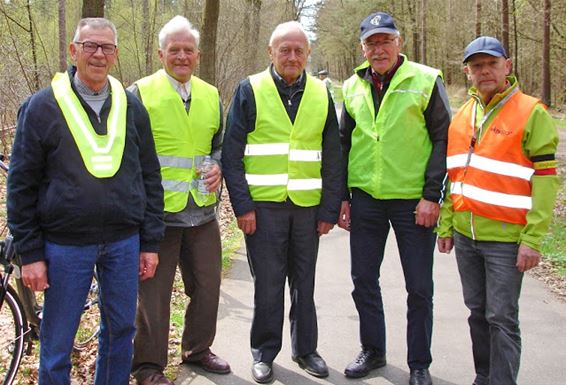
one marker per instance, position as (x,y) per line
(492,177)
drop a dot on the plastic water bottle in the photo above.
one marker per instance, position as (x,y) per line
(202,170)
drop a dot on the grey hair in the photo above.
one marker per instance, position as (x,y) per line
(177,24)
(283,28)
(396,33)
(97,23)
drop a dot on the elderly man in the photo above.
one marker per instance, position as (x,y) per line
(393,129)
(186,121)
(323,75)
(503,183)
(280,164)
(85,192)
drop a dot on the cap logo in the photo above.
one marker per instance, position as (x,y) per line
(375,20)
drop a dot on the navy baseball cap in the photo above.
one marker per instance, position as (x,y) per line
(485,44)
(379,22)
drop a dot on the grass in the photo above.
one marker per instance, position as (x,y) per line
(554,244)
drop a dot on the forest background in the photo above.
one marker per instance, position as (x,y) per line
(35,35)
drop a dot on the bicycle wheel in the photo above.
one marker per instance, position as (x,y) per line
(12,332)
(90,319)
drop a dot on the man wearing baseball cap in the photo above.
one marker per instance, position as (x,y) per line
(394,130)
(502,170)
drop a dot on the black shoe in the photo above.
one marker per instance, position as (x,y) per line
(313,364)
(365,361)
(262,372)
(420,377)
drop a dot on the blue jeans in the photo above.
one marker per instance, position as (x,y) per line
(70,270)
(371,220)
(491,285)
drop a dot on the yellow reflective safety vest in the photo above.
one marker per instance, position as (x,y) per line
(101,154)
(283,159)
(182,139)
(390,150)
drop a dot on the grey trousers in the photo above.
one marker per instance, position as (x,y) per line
(198,252)
(492,285)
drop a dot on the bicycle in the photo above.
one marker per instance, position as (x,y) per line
(20,314)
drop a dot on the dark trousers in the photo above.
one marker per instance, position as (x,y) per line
(285,245)
(492,285)
(370,220)
(198,252)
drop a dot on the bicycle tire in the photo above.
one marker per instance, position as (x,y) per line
(89,328)
(13,326)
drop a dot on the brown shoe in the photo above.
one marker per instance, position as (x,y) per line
(212,363)
(156,379)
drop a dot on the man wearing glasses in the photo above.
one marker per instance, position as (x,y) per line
(394,130)
(85,192)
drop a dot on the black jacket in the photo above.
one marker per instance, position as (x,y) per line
(52,196)
(241,121)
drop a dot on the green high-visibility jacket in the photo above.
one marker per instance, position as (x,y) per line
(390,150)
(101,154)
(182,139)
(283,159)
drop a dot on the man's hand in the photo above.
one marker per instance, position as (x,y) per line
(247,223)
(148,265)
(34,276)
(213,179)
(426,213)
(324,227)
(445,244)
(527,258)
(344,218)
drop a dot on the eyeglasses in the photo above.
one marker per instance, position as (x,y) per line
(374,44)
(92,47)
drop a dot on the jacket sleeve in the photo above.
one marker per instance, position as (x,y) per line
(27,165)
(445,228)
(347,125)
(437,116)
(540,141)
(218,138)
(240,122)
(153,228)
(331,170)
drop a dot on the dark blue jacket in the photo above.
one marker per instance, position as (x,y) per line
(52,196)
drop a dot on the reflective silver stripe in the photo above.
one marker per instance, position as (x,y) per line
(175,161)
(490,165)
(305,155)
(267,180)
(175,185)
(267,149)
(304,184)
(491,197)
(112,127)
(102,166)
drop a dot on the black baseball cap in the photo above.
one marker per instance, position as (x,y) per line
(485,44)
(379,22)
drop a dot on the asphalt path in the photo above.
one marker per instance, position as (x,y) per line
(542,315)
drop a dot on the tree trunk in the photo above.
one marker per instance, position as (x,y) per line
(423,31)
(411,7)
(546,54)
(33,48)
(93,8)
(62,37)
(208,41)
(478,18)
(251,33)
(505,24)
(515,41)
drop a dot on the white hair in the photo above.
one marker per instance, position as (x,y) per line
(286,27)
(96,23)
(177,24)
